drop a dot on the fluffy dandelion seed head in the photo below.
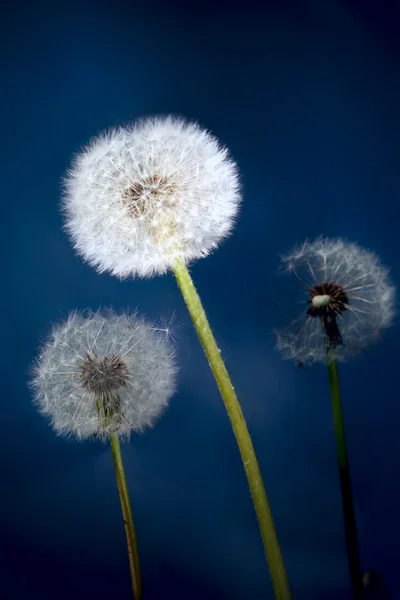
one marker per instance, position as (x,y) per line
(138,197)
(348,301)
(101,373)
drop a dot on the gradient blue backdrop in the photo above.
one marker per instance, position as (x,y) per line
(306,95)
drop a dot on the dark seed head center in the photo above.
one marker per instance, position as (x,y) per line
(327,300)
(146,195)
(103,376)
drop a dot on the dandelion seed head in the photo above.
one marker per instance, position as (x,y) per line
(138,197)
(101,372)
(348,301)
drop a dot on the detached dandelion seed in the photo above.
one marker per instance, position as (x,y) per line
(350,301)
(153,196)
(105,375)
(169,328)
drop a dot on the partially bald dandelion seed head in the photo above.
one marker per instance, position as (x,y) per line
(139,197)
(348,300)
(101,372)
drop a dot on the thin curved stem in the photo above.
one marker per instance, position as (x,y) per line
(260,500)
(353,556)
(128,519)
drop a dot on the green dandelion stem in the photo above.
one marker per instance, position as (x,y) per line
(128,519)
(260,500)
(353,556)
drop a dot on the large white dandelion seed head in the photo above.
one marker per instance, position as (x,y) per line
(139,197)
(348,300)
(101,372)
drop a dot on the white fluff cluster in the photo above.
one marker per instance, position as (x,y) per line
(138,197)
(116,360)
(369,310)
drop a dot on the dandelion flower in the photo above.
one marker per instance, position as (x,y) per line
(138,197)
(349,301)
(106,375)
(103,373)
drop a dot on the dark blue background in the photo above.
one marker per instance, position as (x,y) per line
(306,95)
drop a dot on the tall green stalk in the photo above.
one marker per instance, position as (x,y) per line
(128,519)
(345,483)
(107,406)
(260,500)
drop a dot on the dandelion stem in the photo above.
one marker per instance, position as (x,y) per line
(345,483)
(128,519)
(260,500)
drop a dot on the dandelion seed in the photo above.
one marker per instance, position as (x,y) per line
(168,327)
